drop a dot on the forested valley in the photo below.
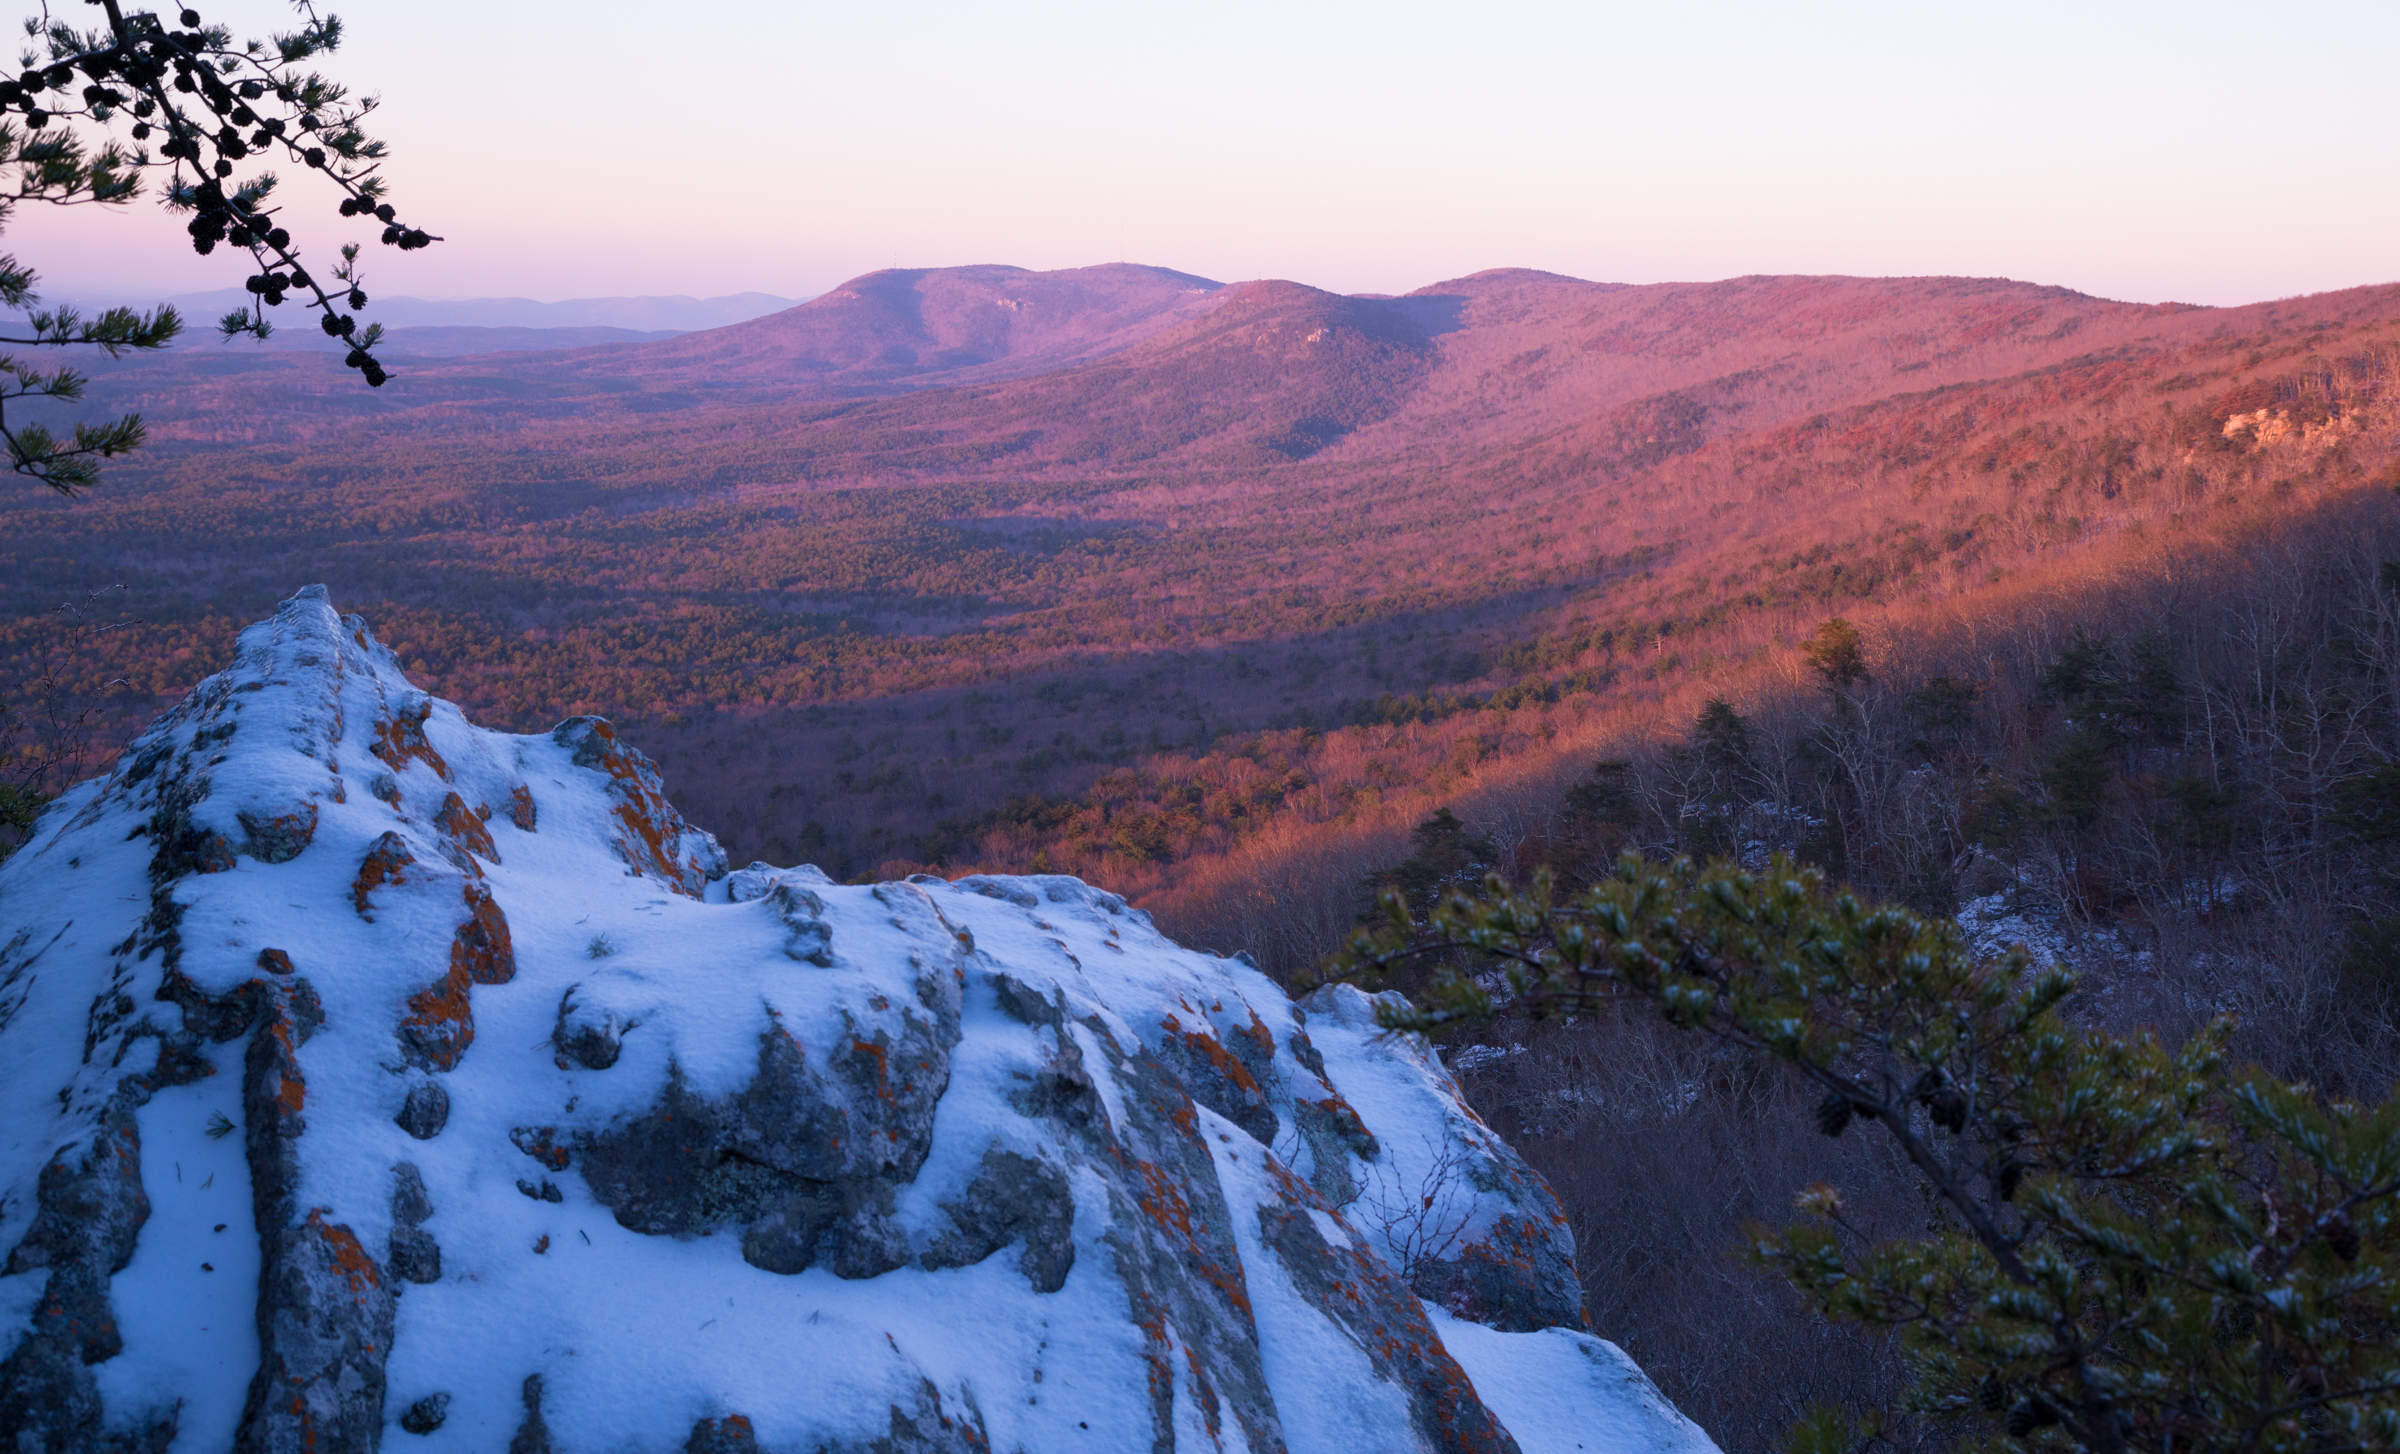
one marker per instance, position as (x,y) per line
(2076,620)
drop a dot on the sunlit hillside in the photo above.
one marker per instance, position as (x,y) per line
(1268,580)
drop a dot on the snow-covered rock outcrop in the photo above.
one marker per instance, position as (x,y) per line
(371,1079)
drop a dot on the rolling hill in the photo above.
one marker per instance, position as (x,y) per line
(1178,595)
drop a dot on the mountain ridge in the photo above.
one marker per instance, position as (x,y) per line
(679,313)
(1472,499)
(910,328)
(1460,364)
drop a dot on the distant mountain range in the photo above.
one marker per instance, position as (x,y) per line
(982,369)
(906,329)
(449,327)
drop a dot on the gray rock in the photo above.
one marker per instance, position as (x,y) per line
(807,937)
(214,1018)
(1517,1271)
(1304,1050)
(589,1037)
(410,1205)
(1333,1134)
(1385,1322)
(1007,890)
(325,1306)
(1170,1236)
(671,1172)
(426,1414)
(1518,1276)
(650,836)
(1062,1091)
(1218,1079)
(89,1210)
(1012,1198)
(1134,1070)
(1024,1004)
(838,1129)
(414,1256)
(847,1230)
(926,1427)
(533,1433)
(425,1111)
(751,881)
(782,1237)
(278,837)
(865,1241)
(756,880)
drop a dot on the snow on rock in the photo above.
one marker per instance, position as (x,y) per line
(1562,1390)
(368,1078)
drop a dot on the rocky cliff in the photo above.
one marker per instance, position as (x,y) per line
(371,1079)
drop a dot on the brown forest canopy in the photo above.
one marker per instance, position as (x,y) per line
(1274,562)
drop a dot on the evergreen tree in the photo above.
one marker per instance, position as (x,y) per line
(1447,858)
(1720,751)
(1722,739)
(1596,818)
(1837,654)
(217,113)
(2132,1247)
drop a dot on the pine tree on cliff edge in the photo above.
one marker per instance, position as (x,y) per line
(209,115)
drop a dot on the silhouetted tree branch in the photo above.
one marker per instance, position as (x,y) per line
(217,113)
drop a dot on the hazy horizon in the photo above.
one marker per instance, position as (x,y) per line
(2141,153)
(111,291)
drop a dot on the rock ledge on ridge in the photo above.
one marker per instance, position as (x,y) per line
(372,1079)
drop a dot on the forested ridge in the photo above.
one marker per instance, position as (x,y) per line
(2078,619)
(1133,671)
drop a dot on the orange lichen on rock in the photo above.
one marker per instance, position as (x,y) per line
(465,827)
(1163,1201)
(1340,1117)
(481,950)
(385,863)
(652,833)
(400,738)
(645,837)
(440,1024)
(520,807)
(278,837)
(1212,1050)
(1204,1393)
(1258,1042)
(274,1064)
(351,1258)
(291,1092)
(868,1052)
(541,1143)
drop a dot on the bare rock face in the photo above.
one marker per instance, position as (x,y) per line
(367,1078)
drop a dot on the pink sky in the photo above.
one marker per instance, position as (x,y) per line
(2203,152)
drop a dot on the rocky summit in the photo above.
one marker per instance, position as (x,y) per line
(369,1079)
